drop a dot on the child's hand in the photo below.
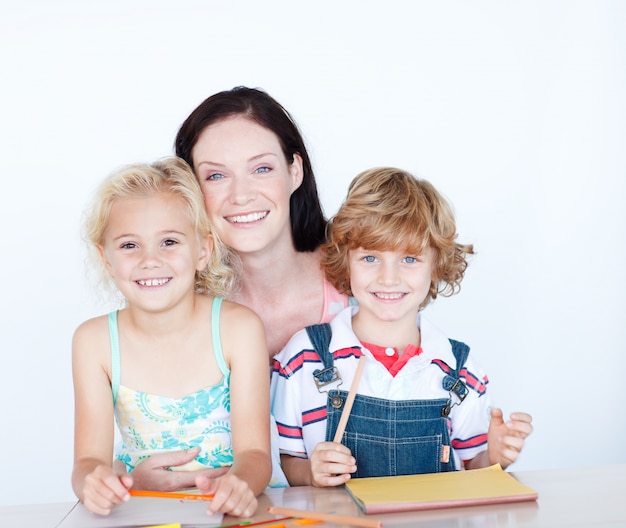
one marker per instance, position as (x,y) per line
(232,495)
(505,440)
(103,489)
(153,473)
(331,464)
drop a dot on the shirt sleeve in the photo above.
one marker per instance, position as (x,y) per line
(470,419)
(286,404)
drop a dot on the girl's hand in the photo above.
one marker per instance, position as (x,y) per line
(331,464)
(153,473)
(103,489)
(232,495)
(505,440)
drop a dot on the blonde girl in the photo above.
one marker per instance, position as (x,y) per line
(177,367)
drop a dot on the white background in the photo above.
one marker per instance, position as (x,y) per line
(516,111)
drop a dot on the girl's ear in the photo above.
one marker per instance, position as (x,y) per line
(206,250)
(104,258)
(296,171)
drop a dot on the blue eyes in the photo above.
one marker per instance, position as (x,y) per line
(406,260)
(220,176)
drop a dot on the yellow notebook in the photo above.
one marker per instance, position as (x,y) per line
(431,491)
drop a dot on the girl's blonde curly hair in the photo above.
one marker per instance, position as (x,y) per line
(173,176)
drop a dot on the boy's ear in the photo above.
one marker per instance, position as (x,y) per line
(206,250)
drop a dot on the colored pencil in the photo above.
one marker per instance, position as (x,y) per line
(170,495)
(328,517)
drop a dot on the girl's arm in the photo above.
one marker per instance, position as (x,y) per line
(245,351)
(93,480)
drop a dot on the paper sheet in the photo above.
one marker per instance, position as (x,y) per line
(144,511)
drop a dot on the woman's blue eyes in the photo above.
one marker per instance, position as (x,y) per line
(219,175)
(369,258)
(410,260)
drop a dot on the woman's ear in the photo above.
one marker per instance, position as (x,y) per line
(296,171)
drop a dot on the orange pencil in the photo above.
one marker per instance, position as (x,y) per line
(328,517)
(170,495)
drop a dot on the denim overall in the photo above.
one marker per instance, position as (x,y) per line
(388,437)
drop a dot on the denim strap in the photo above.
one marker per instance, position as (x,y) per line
(320,335)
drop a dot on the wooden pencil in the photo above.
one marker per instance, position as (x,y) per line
(345,414)
(328,517)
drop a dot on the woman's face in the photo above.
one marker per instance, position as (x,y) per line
(246,182)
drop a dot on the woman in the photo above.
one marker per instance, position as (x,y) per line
(260,193)
(259,190)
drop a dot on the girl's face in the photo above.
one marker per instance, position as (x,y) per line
(390,286)
(246,182)
(152,250)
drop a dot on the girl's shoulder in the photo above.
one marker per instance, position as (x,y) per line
(92,327)
(240,327)
(241,314)
(91,340)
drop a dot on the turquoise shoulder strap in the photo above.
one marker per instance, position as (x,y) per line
(215,331)
(115,354)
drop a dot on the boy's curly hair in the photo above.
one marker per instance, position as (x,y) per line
(389,209)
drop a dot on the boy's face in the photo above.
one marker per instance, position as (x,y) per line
(390,286)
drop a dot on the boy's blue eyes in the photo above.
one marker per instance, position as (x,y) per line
(408,260)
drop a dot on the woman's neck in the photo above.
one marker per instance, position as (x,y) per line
(272,272)
(285,290)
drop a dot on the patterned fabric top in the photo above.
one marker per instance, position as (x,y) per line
(150,423)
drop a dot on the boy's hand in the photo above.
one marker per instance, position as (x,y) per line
(505,440)
(331,464)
